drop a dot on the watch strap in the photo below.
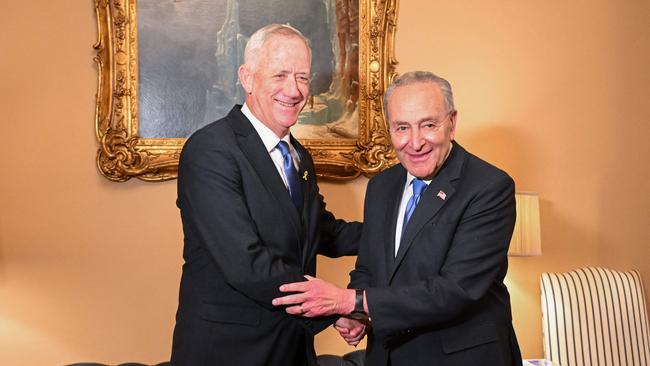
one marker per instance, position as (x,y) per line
(358,301)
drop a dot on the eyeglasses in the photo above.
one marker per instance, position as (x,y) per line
(431,126)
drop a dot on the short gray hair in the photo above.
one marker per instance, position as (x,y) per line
(414,77)
(257,40)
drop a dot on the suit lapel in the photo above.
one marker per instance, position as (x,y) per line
(440,191)
(253,148)
(303,168)
(396,190)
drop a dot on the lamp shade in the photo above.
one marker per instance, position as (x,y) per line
(526,239)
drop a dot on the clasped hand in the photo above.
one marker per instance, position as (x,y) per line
(315,297)
(351,330)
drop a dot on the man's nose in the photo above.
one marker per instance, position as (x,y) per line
(291,88)
(417,139)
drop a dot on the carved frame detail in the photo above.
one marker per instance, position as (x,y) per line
(122,154)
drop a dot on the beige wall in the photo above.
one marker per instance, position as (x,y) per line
(557,93)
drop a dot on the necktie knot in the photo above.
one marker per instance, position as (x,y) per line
(286,154)
(418,187)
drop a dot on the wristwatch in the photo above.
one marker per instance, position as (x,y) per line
(358,313)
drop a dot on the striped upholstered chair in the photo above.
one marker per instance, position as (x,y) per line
(595,317)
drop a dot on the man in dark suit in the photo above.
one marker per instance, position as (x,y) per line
(433,256)
(253,218)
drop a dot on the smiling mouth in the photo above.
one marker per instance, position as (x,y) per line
(287,104)
(419,156)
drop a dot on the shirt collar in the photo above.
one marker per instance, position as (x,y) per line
(269,138)
(410,177)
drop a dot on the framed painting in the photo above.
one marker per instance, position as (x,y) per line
(168,67)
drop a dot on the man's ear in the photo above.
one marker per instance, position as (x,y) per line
(452,121)
(245,78)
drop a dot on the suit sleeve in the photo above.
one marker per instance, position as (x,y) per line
(337,237)
(360,277)
(476,259)
(215,215)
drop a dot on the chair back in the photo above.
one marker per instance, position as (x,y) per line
(595,316)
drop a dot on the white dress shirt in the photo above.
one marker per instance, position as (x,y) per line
(271,140)
(408,192)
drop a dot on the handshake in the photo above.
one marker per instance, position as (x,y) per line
(315,298)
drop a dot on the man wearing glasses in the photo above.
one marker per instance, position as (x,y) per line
(428,283)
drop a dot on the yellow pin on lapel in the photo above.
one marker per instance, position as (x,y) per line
(304,175)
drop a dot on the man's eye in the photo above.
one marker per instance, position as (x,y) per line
(303,79)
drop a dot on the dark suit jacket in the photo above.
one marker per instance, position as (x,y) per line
(243,239)
(441,300)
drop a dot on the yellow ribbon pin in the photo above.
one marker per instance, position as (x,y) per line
(304,175)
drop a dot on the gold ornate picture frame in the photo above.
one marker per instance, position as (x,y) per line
(123,153)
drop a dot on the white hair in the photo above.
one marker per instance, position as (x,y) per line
(414,77)
(257,40)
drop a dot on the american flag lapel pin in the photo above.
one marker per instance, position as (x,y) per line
(442,195)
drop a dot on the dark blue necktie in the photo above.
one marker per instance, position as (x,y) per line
(418,187)
(292,175)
